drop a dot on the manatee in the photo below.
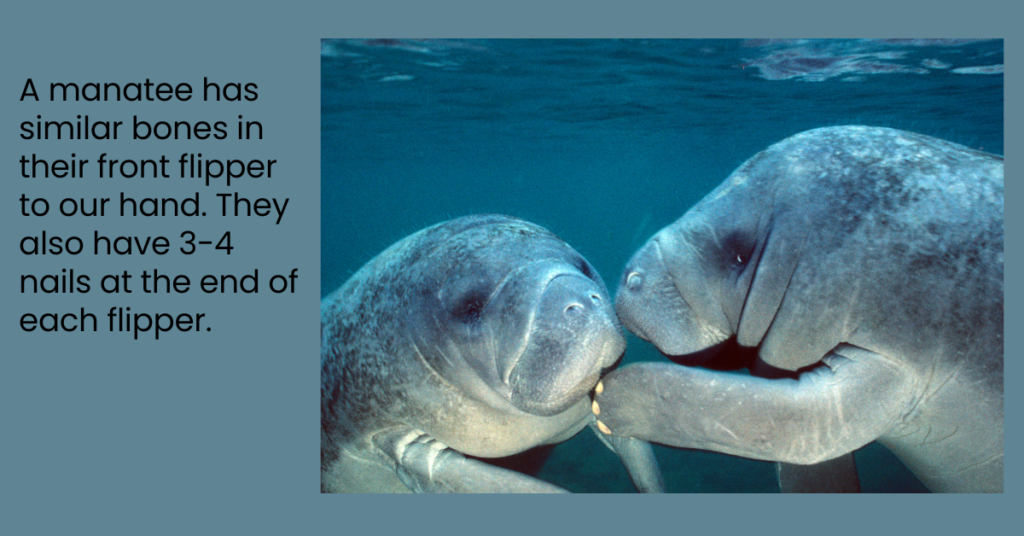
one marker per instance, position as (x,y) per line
(866,261)
(480,337)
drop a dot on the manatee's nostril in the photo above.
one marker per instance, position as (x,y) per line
(574,308)
(596,298)
(634,281)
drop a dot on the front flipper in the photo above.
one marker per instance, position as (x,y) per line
(838,475)
(852,399)
(428,466)
(638,457)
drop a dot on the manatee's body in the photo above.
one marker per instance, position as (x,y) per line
(870,261)
(479,336)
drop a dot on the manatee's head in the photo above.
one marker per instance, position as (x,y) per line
(512,315)
(684,290)
(805,242)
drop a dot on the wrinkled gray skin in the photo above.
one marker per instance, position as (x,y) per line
(480,336)
(868,259)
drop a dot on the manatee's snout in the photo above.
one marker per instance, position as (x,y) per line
(656,295)
(644,288)
(574,335)
(634,290)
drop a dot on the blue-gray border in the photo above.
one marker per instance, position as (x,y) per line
(250,468)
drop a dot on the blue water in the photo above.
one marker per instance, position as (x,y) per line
(604,142)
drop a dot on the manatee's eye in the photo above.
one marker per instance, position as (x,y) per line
(739,247)
(584,267)
(470,307)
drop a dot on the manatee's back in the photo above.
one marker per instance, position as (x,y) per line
(927,216)
(360,371)
(902,242)
(914,225)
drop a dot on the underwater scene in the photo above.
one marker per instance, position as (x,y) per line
(604,143)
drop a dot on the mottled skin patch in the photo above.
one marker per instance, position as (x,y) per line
(886,243)
(485,333)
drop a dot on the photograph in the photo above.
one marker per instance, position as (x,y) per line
(661,265)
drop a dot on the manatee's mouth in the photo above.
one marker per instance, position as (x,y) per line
(634,282)
(652,305)
(724,356)
(699,358)
(573,337)
(516,353)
